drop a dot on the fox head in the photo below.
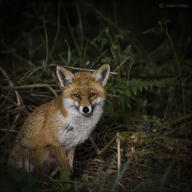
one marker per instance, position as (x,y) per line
(83,92)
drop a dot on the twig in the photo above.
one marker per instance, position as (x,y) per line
(19,102)
(11,85)
(111,95)
(9,130)
(122,63)
(122,186)
(106,146)
(118,152)
(15,120)
(30,86)
(134,154)
(63,60)
(58,27)
(47,57)
(128,77)
(67,181)
(40,95)
(5,98)
(99,57)
(81,69)
(68,52)
(29,73)
(68,55)
(55,181)
(46,42)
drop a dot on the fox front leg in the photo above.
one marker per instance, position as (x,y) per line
(70,157)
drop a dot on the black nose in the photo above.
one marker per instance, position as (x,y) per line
(85,109)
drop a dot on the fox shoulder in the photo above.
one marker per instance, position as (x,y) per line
(40,126)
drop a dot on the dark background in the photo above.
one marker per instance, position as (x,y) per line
(150,96)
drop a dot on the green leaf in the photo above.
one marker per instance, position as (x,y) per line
(84,178)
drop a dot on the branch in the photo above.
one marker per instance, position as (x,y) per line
(81,69)
(19,101)
(123,62)
(58,27)
(30,86)
(11,85)
(106,146)
(9,130)
(46,41)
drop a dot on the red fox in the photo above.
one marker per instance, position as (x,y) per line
(50,134)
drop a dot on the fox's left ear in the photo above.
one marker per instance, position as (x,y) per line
(65,77)
(102,74)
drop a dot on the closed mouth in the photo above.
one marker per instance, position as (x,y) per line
(86,114)
(90,113)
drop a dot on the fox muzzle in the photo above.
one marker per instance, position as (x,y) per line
(85,110)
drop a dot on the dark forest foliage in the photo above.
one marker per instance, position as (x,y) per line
(149,97)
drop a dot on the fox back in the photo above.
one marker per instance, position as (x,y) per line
(48,137)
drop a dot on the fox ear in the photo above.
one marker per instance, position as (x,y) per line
(65,77)
(102,74)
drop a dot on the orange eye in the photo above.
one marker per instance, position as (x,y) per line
(92,95)
(77,96)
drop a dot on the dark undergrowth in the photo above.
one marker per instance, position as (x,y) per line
(148,95)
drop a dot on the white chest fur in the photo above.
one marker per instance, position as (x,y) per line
(76,128)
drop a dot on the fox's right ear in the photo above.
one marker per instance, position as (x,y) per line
(102,74)
(65,77)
